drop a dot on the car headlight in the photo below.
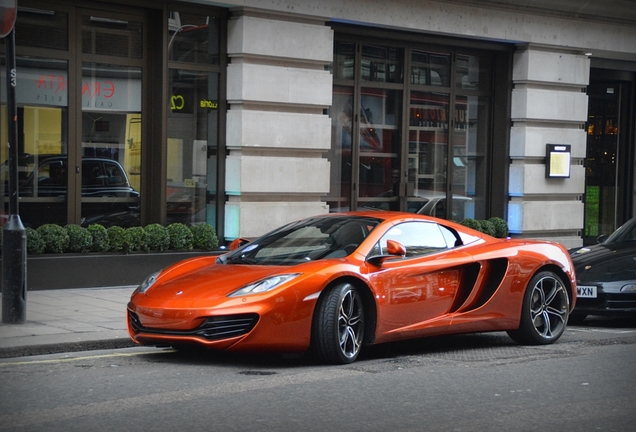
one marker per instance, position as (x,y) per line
(629,288)
(148,282)
(263,285)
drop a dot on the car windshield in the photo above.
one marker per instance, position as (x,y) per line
(306,240)
(625,233)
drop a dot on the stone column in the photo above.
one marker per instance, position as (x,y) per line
(278,89)
(549,106)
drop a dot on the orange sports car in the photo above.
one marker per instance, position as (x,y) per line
(335,283)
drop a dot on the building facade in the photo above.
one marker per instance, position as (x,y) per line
(247,114)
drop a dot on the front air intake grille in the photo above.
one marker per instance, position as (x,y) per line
(213,328)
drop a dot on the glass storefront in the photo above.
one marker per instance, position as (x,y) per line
(42,99)
(193,119)
(111,144)
(436,155)
(90,117)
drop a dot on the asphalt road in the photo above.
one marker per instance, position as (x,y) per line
(483,382)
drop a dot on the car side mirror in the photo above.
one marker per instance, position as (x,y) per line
(394,249)
(600,239)
(238,243)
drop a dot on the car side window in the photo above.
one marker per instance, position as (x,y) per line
(51,174)
(115,176)
(419,238)
(92,174)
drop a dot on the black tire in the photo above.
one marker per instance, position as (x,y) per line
(544,312)
(338,327)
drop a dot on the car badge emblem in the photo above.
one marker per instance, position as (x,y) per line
(179,292)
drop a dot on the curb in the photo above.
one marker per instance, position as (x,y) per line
(26,351)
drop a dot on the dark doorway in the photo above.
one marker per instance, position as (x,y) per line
(609,178)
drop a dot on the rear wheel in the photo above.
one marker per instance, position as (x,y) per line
(544,312)
(338,327)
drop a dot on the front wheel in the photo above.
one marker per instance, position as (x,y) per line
(338,328)
(544,312)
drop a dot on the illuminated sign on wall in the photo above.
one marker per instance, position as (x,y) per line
(179,103)
(208,104)
(557,160)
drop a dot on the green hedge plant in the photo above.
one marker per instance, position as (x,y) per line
(495,226)
(35,244)
(501,227)
(52,238)
(204,237)
(136,238)
(80,239)
(471,223)
(55,238)
(180,236)
(157,237)
(487,228)
(117,239)
(100,238)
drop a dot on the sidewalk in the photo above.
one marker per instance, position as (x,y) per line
(69,320)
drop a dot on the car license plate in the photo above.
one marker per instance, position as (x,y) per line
(586,291)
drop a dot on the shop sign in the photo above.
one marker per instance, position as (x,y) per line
(48,87)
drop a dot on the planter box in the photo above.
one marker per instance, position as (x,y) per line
(60,271)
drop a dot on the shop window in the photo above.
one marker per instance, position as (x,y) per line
(193,38)
(42,99)
(341,114)
(41,28)
(111,37)
(473,72)
(344,56)
(111,144)
(382,64)
(193,119)
(429,68)
(438,166)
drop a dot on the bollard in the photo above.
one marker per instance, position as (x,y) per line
(14,271)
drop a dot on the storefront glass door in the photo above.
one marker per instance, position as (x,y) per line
(603,191)
(111,140)
(437,155)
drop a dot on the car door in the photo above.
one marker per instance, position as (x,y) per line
(414,294)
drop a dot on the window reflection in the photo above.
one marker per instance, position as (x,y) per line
(382,64)
(42,28)
(112,37)
(341,114)
(193,38)
(193,119)
(429,68)
(111,144)
(344,55)
(42,98)
(379,167)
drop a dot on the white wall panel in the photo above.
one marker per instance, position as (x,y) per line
(248,128)
(274,84)
(283,39)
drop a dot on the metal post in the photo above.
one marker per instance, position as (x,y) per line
(13,233)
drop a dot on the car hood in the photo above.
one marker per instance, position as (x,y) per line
(212,281)
(605,262)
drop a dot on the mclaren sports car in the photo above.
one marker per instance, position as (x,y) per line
(333,284)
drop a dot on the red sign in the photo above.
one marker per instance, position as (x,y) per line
(8,13)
